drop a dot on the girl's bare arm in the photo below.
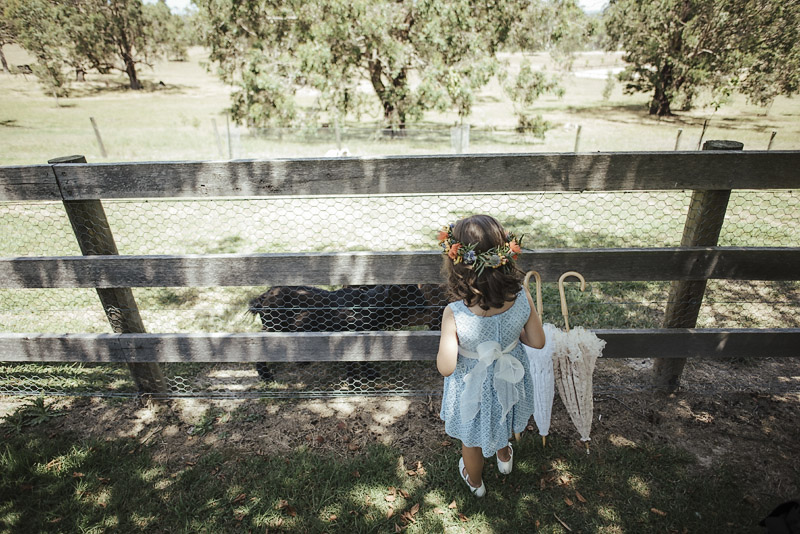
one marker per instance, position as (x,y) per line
(533,334)
(448,344)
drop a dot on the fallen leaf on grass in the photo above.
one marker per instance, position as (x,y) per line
(356,474)
(283,504)
(397,528)
(562,523)
(537,524)
(239,498)
(463,518)
(446,443)
(404,493)
(408,518)
(420,469)
(389,512)
(332,517)
(452,505)
(390,498)
(438,511)
(659,512)
(414,509)
(53,463)
(411,472)
(354,446)
(580,497)
(568,501)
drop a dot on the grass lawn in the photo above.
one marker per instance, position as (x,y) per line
(53,480)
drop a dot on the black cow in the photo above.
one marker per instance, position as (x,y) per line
(350,309)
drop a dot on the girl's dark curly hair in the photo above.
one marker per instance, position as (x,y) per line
(493,287)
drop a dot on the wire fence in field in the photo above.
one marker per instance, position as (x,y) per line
(372,223)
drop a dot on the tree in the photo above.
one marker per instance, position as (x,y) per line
(92,34)
(333,45)
(39,26)
(559,27)
(523,90)
(676,47)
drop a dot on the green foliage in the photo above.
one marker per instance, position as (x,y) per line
(332,46)
(32,414)
(608,88)
(532,125)
(676,47)
(559,27)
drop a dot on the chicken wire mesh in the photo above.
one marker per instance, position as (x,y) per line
(357,223)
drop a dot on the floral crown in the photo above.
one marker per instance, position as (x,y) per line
(478,261)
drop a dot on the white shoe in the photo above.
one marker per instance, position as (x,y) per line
(478,492)
(505,467)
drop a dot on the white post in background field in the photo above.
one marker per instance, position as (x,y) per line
(678,138)
(219,139)
(459,138)
(578,138)
(771,139)
(228,126)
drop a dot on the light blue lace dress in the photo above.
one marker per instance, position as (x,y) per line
(487,429)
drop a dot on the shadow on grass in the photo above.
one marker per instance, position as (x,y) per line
(111,85)
(63,483)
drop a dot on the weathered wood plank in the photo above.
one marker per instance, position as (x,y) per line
(389,267)
(28,182)
(470,173)
(371,346)
(61,348)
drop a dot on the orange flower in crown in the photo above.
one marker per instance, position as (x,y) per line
(453,252)
(466,254)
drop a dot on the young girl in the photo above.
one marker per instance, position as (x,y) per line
(488,392)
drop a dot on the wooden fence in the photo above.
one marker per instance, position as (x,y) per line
(711,174)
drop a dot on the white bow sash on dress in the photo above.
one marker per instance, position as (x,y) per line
(508,372)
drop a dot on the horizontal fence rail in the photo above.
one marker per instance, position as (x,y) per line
(353,268)
(405,175)
(370,346)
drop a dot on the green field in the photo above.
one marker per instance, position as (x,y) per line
(174,121)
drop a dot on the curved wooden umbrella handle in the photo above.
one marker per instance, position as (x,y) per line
(538,278)
(561,279)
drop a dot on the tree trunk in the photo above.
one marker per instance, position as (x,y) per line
(660,105)
(3,60)
(389,107)
(130,70)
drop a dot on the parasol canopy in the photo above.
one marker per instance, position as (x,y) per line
(541,364)
(575,353)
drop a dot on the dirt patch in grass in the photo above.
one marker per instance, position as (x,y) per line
(756,434)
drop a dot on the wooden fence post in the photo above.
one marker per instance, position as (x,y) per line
(88,220)
(703,225)
(99,139)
